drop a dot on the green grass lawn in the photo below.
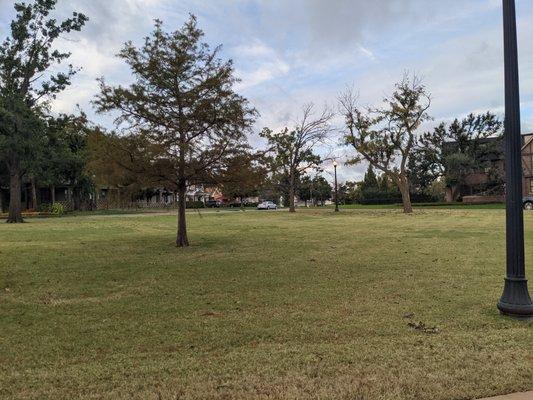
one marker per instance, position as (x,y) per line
(264,305)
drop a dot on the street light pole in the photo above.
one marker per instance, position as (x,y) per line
(515,300)
(336,190)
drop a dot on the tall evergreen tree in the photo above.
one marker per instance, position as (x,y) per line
(181,116)
(26,58)
(370,180)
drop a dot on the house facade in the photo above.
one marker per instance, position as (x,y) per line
(114,196)
(43,195)
(471,191)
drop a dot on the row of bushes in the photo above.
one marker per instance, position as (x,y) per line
(373,196)
(59,209)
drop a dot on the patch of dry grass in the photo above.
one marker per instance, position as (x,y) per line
(365,304)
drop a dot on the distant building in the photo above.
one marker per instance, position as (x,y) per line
(474,187)
(527,163)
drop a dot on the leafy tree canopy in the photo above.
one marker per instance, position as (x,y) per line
(27,82)
(181,117)
(456,150)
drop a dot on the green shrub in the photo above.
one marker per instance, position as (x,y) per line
(55,209)
(44,208)
(374,195)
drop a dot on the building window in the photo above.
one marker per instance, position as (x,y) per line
(531,186)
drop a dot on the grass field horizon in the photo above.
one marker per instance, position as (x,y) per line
(173,210)
(361,304)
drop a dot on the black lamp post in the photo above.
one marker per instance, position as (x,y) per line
(336,190)
(515,300)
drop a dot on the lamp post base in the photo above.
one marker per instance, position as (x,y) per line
(515,301)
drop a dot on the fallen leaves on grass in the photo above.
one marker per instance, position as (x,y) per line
(422,327)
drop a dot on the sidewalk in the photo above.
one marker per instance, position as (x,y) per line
(515,396)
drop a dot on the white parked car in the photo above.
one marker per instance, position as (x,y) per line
(528,203)
(267,205)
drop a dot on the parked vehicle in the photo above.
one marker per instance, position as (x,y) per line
(528,203)
(267,205)
(213,204)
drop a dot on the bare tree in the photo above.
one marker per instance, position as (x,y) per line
(294,148)
(385,136)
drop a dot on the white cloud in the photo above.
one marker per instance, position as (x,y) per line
(262,64)
(367,52)
(291,53)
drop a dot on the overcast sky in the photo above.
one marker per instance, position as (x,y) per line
(289,53)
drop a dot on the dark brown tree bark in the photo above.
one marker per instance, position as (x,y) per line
(182,240)
(403,185)
(76,198)
(15,200)
(52,194)
(292,207)
(33,194)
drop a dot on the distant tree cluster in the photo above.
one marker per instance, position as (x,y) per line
(451,153)
(34,144)
(418,164)
(316,190)
(293,149)
(376,189)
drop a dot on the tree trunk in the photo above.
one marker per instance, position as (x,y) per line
(292,208)
(15,200)
(76,197)
(33,194)
(1,199)
(403,184)
(182,240)
(52,194)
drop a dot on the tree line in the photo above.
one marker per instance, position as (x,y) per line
(181,123)
(443,157)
